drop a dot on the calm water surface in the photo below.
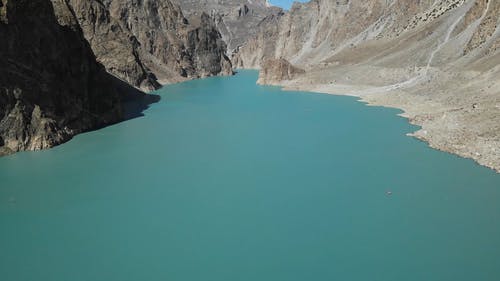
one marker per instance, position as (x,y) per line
(224,180)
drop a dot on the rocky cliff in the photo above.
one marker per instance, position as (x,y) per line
(150,42)
(237,20)
(51,86)
(66,63)
(439,61)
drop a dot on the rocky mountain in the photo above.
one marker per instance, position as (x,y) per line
(66,64)
(150,42)
(237,20)
(439,61)
(51,86)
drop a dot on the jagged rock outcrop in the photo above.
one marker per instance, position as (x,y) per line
(51,86)
(274,71)
(439,61)
(237,20)
(150,42)
(113,44)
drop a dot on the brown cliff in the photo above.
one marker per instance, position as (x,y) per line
(274,71)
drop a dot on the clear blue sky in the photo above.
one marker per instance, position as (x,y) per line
(285,3)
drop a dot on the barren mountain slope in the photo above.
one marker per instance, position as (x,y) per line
(439,61)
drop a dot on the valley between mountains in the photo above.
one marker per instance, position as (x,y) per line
(69,66)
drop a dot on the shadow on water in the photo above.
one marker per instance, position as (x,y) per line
(134,101)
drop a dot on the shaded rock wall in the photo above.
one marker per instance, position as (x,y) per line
(51,85)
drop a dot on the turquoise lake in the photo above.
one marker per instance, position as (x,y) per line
(225,180)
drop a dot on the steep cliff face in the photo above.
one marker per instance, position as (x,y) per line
(437,60)
(113,44)
(51,86)
(237,20)
(150,42)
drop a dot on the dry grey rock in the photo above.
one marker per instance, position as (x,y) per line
(237,20)
(433,59)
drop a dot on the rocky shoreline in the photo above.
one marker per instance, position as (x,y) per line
(439,62)
(468,127)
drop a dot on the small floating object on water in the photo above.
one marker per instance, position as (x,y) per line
(388,193)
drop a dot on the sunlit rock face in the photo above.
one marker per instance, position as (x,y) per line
(237,20)
(436,60)
(317,31)
(148,43)
(274,71)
